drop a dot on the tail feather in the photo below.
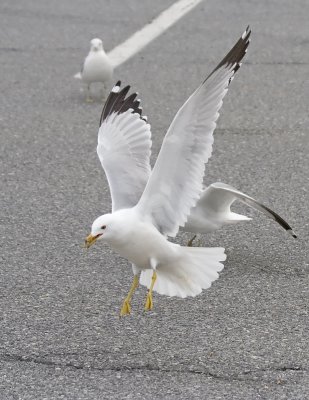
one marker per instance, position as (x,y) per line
(195,270)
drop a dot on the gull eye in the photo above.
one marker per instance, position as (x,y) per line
(103,227)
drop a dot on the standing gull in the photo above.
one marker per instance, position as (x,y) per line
(148,206)
(96,68)
(213,210)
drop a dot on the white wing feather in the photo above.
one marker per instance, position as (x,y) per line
(175,183)
(124,143)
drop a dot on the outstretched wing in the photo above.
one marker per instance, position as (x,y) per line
(124,146)
(218,198)
(176,180)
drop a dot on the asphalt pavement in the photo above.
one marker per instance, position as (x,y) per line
(61,338)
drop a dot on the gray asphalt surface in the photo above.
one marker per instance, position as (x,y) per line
(61,338)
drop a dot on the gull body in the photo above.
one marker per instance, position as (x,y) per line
(126,232)
(181,271)
(150,205)
(97,67)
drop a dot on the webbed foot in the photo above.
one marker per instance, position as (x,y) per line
(126,308)
(126,305)
(190,243)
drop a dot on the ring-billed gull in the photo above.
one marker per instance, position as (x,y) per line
(96,68)
(213,210)
(148,206)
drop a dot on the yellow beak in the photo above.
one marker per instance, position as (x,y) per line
(90,240)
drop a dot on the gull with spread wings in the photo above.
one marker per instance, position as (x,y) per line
(148,206)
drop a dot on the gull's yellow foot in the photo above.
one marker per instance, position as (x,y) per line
(126,305)
(126,308)
(149,302)
(89,99)
(190,243)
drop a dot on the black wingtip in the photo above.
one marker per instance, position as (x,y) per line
(236,54)
(246,34)
(292,233)
(280,221)
(117,102)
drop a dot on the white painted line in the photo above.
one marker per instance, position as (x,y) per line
(149,32)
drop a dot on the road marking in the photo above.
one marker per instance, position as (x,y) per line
(151,31)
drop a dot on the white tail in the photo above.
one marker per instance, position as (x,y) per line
(195,270)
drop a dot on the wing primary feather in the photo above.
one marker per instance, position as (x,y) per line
(120,99)
(279,219)
(128,103)
(136,107)
(236,54)
(110,101)
(118,103)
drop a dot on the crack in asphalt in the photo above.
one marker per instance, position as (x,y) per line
(290,368)
(242,376)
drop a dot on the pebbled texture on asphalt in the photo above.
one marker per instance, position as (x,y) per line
(61,338)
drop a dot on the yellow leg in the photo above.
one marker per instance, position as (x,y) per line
(149,303)
(190,243)
(126,306)
(89,99)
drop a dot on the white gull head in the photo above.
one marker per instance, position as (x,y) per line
(96,45)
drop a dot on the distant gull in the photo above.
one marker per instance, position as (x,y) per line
(96,68)
(148,206)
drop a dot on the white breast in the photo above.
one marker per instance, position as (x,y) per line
(97,68)
(139,241)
